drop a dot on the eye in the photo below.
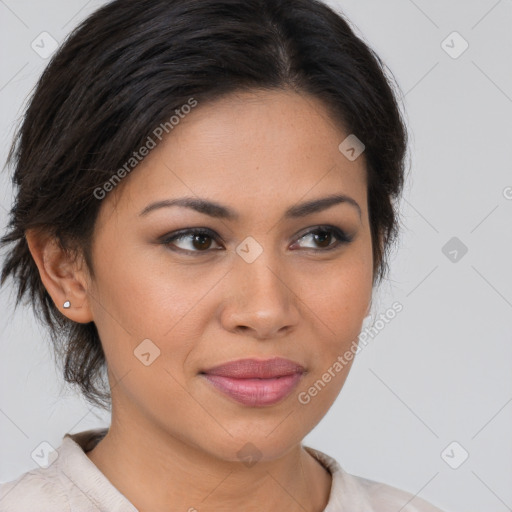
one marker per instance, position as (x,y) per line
(198,240)
(323,236)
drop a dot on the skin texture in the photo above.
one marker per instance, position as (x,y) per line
(174,439)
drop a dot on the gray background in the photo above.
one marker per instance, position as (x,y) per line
(440,370)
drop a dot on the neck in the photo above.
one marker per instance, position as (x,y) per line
(158,472)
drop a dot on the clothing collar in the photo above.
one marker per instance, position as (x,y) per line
(83,473)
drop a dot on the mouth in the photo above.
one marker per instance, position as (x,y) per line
(254,382)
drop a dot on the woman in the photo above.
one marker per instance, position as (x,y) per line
(205,205)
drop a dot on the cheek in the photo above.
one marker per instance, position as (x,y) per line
(339,297)
(337,302)
(143,299)
(144,295)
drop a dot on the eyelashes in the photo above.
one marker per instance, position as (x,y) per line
(200,240)
(198,234)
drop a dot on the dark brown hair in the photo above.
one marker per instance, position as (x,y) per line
(126,69)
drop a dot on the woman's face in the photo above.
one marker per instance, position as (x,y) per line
(260,284)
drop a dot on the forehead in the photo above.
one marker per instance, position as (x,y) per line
(252,148)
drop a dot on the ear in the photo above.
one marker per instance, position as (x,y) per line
(64,278)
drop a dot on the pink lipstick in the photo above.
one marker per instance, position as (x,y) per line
(256,382)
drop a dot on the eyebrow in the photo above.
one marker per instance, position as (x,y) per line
(219,211)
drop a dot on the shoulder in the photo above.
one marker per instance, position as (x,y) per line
(386,498)
(37,490)
(358,494)
(67,481)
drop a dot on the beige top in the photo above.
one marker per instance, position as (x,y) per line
(72,483)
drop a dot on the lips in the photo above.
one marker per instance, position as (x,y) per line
(256,369)
(253,382)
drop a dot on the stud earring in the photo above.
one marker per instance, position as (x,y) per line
(67,304)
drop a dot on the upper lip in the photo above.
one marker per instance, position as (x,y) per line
(256,368)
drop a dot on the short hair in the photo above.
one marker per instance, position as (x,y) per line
(126,69)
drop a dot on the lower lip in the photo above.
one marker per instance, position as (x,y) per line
(255,392)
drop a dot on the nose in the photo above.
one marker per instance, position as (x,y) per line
(261,301)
